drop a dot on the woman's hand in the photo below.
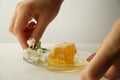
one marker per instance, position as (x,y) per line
(106,62)
(43,11)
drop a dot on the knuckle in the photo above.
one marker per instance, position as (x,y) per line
(22,7)
(19,4)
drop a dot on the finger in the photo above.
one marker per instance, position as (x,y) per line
(31,25)
(114,72)
(40,28)
(91,57)
(29,29)
(12,22)
(20,25)
(101,62)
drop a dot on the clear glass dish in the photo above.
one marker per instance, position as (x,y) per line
(80,63)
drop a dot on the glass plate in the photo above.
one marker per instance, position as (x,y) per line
(80,62)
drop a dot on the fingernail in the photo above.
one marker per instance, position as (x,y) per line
(91,57)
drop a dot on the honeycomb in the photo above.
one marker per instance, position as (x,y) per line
(62,54)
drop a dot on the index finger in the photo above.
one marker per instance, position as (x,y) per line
(20,24)
(101,62)
(41,25)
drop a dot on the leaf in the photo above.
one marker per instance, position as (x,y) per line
(38,45)
(43,48)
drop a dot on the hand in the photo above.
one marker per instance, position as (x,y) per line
(43,11)
(106,62)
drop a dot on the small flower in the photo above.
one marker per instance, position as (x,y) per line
(40,51)
(31,42)
(34,54)
(34,58)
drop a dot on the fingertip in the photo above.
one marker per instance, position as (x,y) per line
(91,57)
(36,34)
(24,45)
(36,38)
(22,39)
(10,29)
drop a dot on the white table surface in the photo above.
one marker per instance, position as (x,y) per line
(13,67)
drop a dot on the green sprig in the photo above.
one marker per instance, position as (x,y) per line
(38,46)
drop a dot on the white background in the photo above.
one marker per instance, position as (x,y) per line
(79,21)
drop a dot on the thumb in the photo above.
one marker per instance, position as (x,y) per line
(39,29)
